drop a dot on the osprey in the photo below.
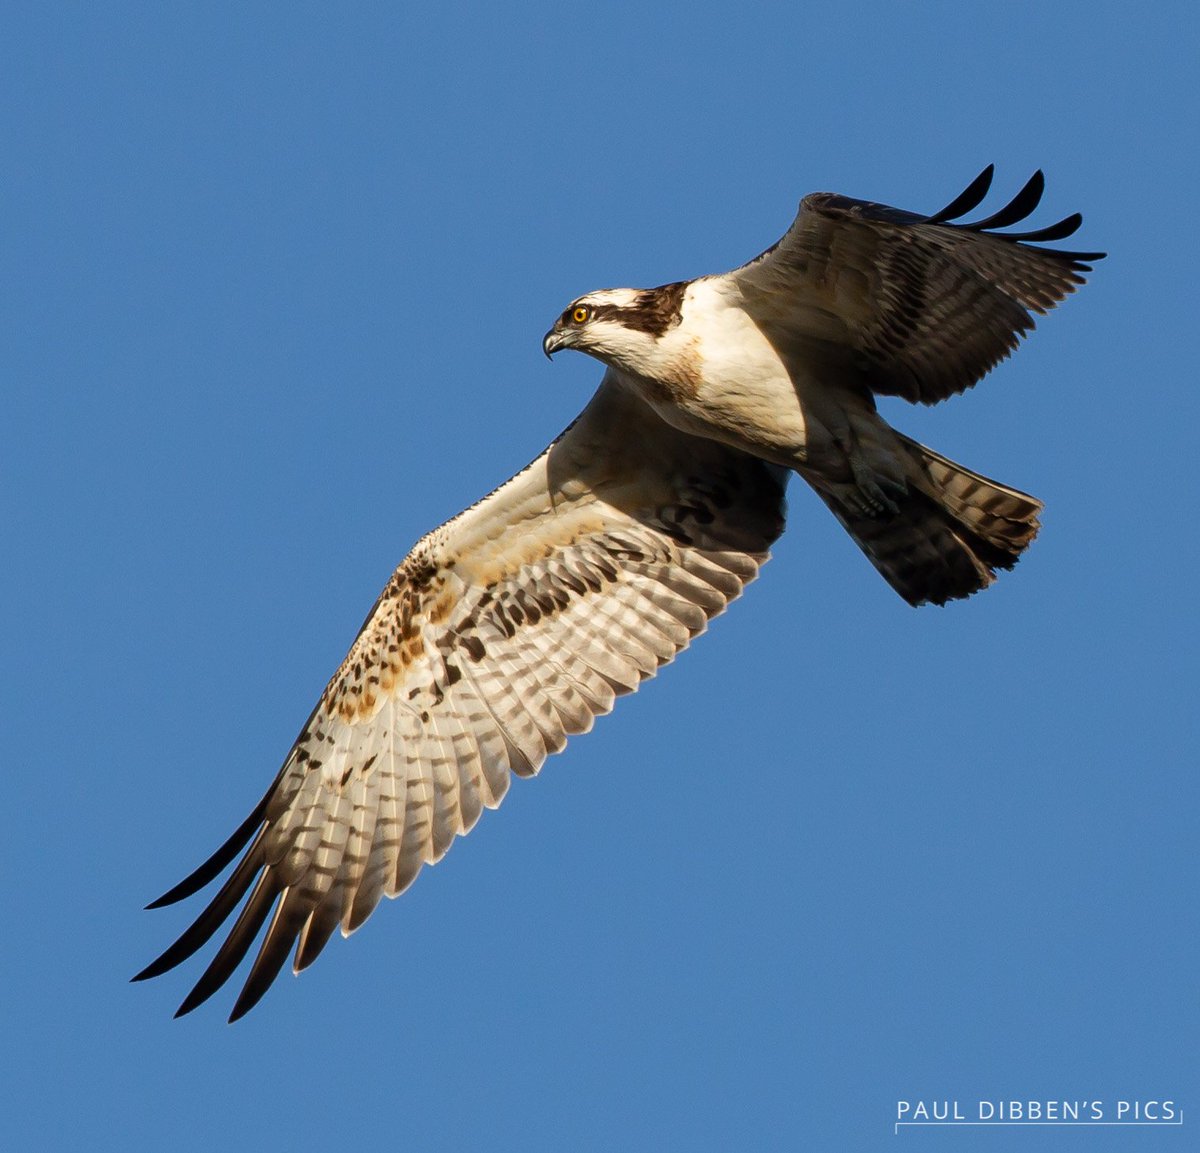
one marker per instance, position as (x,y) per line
(515,624)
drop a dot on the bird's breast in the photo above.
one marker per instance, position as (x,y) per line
(731,384)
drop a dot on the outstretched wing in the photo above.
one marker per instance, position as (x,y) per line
(504,632)
(913,306)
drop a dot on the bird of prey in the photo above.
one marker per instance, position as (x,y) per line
(511,627)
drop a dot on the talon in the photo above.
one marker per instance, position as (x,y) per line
(875,492)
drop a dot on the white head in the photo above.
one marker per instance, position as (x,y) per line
(619,326)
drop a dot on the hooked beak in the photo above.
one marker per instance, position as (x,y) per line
(552,341)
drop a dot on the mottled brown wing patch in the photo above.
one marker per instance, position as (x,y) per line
(503,634)
(392,640)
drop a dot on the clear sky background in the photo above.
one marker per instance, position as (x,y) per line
(274,281)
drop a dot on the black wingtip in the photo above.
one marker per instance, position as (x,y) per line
(1019,207)
(204,988)
(163,963)
(198,878)
(241,937)
(1082,259)
(1060,231)
(969,198)
(243,1005)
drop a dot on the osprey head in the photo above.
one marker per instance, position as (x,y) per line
(619,326)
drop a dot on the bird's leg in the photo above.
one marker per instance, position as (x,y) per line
(872,492)
(844,441)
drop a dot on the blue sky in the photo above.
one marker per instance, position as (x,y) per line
(275,279)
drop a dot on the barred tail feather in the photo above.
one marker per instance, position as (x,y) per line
(954,529)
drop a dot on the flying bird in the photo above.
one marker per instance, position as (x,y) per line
(511,627)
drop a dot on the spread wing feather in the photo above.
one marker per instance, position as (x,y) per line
(504,633)
(912,306)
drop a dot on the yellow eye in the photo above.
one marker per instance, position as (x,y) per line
(579,314)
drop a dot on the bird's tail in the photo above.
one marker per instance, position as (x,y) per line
(952,531)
